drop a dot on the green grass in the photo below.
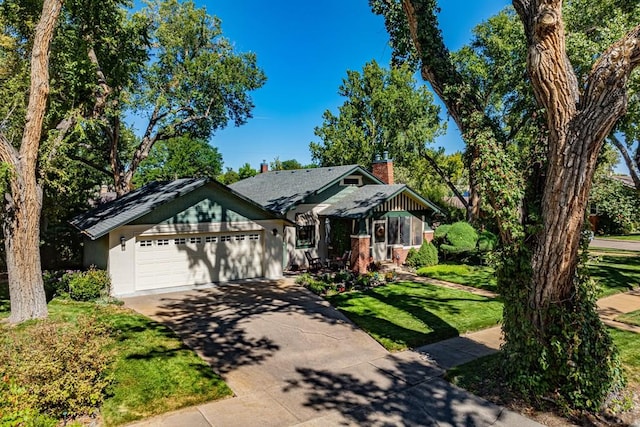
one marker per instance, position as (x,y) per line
(481,277)
(407,314)
(632,318)
(153,371)
(615,273)
(628,344)
(482,376)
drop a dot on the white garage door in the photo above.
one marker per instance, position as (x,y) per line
(182,260)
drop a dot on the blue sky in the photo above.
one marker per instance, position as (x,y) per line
(305,49)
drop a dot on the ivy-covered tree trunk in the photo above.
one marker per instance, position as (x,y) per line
(23,196)
(555,341)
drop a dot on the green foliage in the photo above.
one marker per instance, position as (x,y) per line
(88,285)
(426,256)
(384,110)
(441,231)
(574,361)
(617,205)
(487,241)
(461,237)
(229,177)
(54,369)
(181,157)
(246,171)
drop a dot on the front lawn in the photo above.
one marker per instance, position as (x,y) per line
(481,277)
(405,315)
(152,370)
(615,273)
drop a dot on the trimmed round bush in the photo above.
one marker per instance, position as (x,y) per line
(426,256)
(441,232)
(461,237)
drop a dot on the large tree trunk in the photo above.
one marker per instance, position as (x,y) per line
(578,124)
(23,202)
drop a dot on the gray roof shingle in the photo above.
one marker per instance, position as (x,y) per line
(101,220)
(279,191)
(359,203)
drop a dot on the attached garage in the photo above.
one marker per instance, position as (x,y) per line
(183,260)
(181,234)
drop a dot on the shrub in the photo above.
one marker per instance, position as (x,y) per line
(441,231)
(47,368)
(487,241)
(89,285)
(461,237)
(426,256)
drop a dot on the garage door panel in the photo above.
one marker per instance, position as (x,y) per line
(197,259)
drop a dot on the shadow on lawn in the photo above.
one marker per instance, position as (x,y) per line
(620,273)
(403,393)
(213,321)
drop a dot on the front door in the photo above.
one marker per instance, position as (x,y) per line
(379,240)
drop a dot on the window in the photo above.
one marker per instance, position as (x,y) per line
(180,241)
(225,238)
(351,180)
(405,231)
(195,240)
(162,242)
(144,243)
(240,237)
(254,237)
(305,236)
(210,239)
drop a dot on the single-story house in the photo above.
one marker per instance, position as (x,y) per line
(189,232)
(167,236)
(343,208)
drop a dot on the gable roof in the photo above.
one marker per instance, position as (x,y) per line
(360,203)
(279,191)
(101,220)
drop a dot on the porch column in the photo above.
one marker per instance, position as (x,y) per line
(360,253)
(427,235)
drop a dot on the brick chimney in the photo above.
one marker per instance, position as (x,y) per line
(264,167)
(383,168)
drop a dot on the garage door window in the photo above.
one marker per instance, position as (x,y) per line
(210,239)
(180,241)
(162,242)
(145,243)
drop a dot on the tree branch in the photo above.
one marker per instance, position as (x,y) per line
(91,164)
(633,168)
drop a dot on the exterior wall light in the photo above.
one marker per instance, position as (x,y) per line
(123,243)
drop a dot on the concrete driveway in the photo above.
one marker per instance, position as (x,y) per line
(291,359)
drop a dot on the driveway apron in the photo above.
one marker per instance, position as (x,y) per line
(291,359)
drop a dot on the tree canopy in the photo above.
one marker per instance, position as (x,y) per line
(180,157)
(384,110)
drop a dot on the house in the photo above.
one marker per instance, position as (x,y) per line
(341,208)
(167,236)
(190,232)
